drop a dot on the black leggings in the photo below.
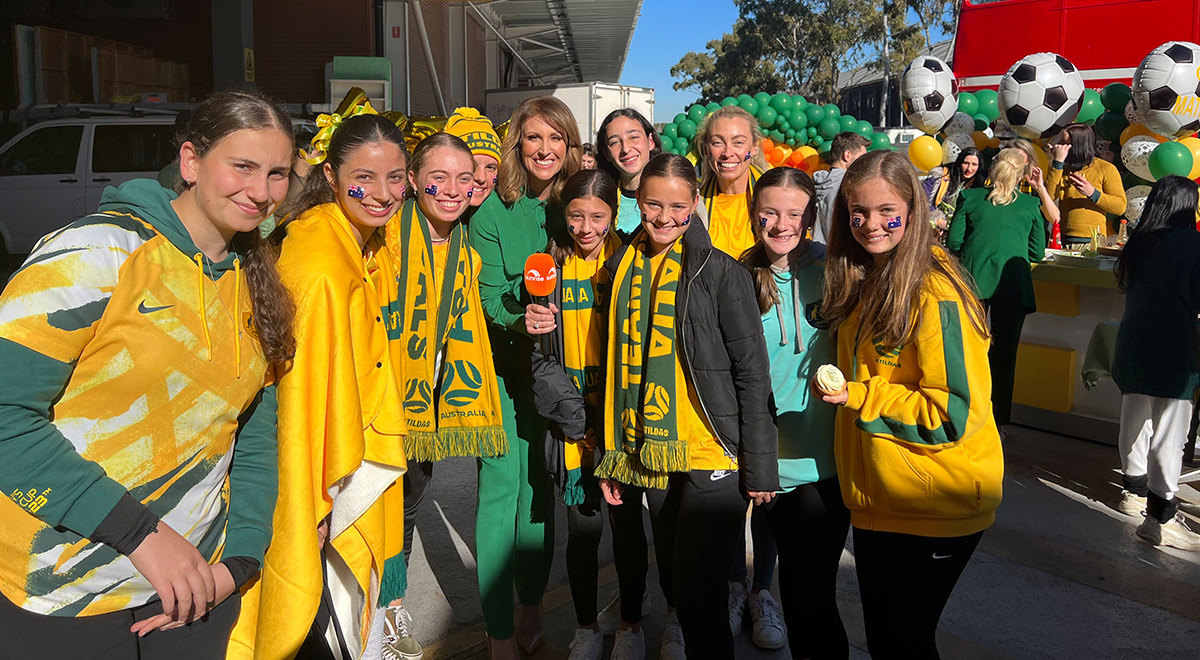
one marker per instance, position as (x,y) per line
(905,581)
(416,482)
(630,549)
(810,524)
(703,512)
(28,635)
(585,526)
(765,553)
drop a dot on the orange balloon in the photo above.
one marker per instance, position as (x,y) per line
(809,157)
(994,143)
(981,140)
(777,156)
(766,145)
(796,159)
(1138,129)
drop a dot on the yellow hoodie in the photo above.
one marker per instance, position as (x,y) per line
(917,449)
(341,426)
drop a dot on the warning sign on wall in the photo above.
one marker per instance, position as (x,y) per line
(249,65)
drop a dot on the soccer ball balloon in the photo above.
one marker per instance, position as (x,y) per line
(1131,113)
(1165,88)
(928,93)
(1135,153)
(1040,95)
(960,123)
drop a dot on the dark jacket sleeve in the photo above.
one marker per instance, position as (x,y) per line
(554,394)
(741,330)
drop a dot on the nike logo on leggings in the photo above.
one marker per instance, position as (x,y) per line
(718,475)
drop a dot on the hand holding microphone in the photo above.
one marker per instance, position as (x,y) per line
(541,278)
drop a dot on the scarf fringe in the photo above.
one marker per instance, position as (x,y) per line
(628,469)
(394,583)
(477,441)
(666,456)
(573,494)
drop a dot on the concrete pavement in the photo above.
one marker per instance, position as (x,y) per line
(1060,575)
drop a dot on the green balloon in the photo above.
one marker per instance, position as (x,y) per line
(848,123)
(681,145)
(671,131)
(786,113)
(815,114)
(880,141)
(1115,96)
(743,97)
(1110,124)
(981,121)
(1091,108)
(790,134)
(812,131)
(762,131)
(766,116)
(687,129)
(711,108)
(798,121)
(696,113)
(781,122)
(728,100)
(781,102)
(988,104)
(678,118)
(816,141)
(832,110)
(777,136)
(763,98)
(1170,158)
(968,103)
(864,128)
(829,127)
(799,102)
(1129,179)
(826,151)
(749,105)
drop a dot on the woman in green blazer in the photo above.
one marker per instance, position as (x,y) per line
(996,233)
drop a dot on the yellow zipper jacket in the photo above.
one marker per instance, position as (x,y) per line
(917,448)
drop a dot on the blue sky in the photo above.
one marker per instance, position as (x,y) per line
(663,36)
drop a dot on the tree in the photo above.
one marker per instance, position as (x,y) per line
(731,65)
(934,14)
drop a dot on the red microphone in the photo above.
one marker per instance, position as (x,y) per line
(541,277)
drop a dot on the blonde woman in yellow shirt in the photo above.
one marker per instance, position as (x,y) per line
(730,164)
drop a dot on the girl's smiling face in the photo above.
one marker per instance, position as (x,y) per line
(779,219)
(667,204)
(588,219)
(969,167)
(370,184)
(487,168)
(444,186)
(878,217)
(628,146)
(241,179)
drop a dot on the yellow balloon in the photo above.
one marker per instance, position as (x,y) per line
(981,140)
(994,143)
(925,153)
(1193,145)
(1138,129)
(810,158)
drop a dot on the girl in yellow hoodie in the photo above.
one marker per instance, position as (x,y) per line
(340,509)
(918,452)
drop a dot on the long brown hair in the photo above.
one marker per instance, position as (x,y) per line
(513,178)
(755,259)
(213,120)
(889,294)
(585,183)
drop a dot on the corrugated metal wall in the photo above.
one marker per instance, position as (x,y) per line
(294,39)
(437,25)
(476,62)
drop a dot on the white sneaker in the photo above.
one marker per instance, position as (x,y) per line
(629,645)
(1132,504)
(587,645)
(609,618)
(671,647)
(769,631)
(738,597)
(1174,533)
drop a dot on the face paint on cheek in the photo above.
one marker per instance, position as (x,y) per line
(747,157)
(894,223)
(571,228)
(356,192)
(604,232)
(469,193)
(686,221)
(762,222)
(856,221)
(495,179)
(403,189)
(431,189)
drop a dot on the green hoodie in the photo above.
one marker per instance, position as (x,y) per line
(139,368)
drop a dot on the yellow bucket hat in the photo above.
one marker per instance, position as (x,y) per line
(474,129)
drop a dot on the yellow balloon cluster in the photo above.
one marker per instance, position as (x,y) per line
(925,153)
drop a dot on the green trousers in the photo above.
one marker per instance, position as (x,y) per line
(1007,320)
(514,520)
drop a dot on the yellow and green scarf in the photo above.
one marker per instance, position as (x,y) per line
(642,439)
(462,416)
(583,353)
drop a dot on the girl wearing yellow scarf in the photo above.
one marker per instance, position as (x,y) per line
(341,420)
(569,384)
(731,163)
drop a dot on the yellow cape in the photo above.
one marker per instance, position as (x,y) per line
(339,405)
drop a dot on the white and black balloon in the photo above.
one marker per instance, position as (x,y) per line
(960,124)
(1165,89)
(928,93)
(1131,113)
(1040,95)
(1135,153)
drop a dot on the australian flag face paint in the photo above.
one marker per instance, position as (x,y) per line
(893,223)
(856,221)
(686,221)
(356,192)
(469,193)
(431,189)
(762,222)
(747,157)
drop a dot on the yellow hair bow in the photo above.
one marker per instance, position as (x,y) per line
(353,105)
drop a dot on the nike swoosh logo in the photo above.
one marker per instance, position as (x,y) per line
(718,475)
(937,556)
(148,310)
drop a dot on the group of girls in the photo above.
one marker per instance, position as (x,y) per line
(164,345)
